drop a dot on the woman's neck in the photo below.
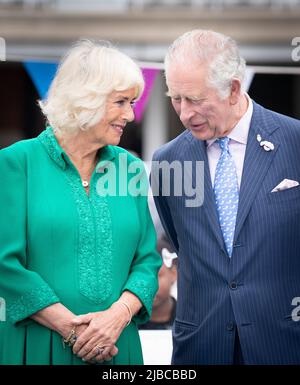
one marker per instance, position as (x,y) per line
(81,149)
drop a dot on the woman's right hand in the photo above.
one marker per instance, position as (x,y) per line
(58,318)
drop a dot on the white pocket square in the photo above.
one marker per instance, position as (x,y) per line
(285,184)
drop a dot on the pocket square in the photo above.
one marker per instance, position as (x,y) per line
(285,184)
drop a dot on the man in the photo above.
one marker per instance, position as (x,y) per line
(164,305)
(238,252)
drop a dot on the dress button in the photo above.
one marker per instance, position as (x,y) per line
(233,285)
(230,326)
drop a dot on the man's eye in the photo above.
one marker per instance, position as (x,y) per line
(176,100)
(196,101)
(133,103)
(120,102)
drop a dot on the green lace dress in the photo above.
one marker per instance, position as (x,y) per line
(58,244)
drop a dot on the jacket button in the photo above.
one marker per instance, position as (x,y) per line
(230,326)
(233,285)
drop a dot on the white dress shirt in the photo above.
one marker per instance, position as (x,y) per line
(237,145)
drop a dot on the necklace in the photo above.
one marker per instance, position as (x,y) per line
(85,181)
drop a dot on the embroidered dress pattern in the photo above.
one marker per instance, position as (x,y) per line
(94,252)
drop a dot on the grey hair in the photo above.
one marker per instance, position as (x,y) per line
(219,51)
(87,74)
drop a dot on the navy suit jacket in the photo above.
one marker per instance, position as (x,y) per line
(252,291)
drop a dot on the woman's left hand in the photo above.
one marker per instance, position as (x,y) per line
(101,334)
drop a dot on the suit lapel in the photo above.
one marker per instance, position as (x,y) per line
(256,164)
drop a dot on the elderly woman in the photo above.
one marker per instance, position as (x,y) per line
(77,263)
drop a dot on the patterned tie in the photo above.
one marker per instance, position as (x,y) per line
(226,193)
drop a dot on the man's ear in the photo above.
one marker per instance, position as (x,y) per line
(235,91)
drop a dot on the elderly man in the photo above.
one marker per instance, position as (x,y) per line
(239,261)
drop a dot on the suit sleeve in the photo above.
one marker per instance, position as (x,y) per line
(161,203)
(143,277)
(24,291)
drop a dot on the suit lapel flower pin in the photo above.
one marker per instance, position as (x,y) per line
(267,146)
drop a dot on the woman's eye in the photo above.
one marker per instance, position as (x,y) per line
(122,103)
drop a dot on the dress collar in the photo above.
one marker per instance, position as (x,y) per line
(59,156)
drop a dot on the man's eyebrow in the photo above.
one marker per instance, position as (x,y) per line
(175,96)
(195,98)
(168,93)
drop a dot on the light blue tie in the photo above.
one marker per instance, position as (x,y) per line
(226,193)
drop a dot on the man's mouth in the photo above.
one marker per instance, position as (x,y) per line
(198,126)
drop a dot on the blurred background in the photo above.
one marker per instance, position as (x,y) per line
(41,31)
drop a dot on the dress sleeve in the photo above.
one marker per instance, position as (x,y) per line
(24,291)
(143,276)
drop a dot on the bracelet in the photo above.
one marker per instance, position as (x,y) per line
(129,310)
(71,338)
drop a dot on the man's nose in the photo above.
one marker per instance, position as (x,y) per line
(186,110)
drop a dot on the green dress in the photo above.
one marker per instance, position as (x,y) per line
(58,244)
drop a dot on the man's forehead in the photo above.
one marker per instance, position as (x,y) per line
(186,84)
(186,91)
(187,70)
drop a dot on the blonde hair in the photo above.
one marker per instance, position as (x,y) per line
(88,73)
(219,51)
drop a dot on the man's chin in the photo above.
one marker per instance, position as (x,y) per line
(201,135)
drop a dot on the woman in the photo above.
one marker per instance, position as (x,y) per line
(67,247)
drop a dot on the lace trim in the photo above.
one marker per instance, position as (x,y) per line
(144,291)
(48,139)
(30,302)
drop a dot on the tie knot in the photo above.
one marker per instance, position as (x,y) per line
(223,143)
